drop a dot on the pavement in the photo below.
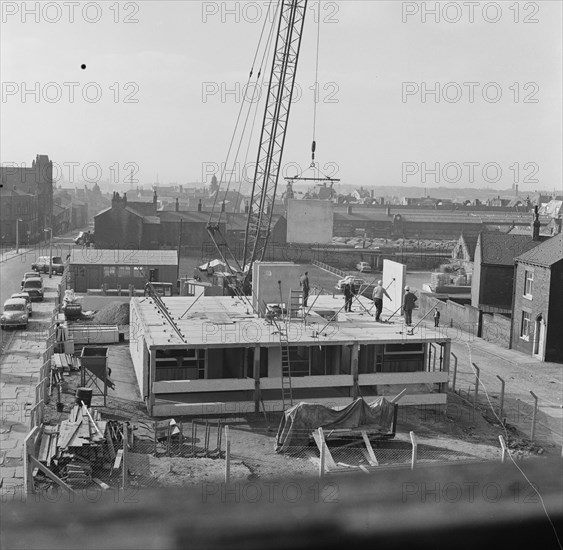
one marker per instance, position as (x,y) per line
(20,364)
(524,376)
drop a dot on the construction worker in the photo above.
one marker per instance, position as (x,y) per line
(409,300)
(378,293)
(304,284)
(348,295)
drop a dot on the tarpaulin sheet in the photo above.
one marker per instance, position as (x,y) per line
(299,421)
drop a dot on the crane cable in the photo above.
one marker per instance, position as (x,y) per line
(316,90)
(239,117)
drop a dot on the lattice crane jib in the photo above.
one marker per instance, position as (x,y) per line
(274,126)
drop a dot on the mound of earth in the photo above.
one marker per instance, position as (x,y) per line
(116,313)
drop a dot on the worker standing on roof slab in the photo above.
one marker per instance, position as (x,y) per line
(409,300)
(348,295)
(378,293)
(304,284)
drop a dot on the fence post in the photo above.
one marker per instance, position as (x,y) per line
(124,458)
(533,430)
(323,455)
(501,398)
(503,447)
(414,450)
(476,394)
(227,455)
(455,371)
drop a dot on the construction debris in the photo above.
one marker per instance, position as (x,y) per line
(80,444)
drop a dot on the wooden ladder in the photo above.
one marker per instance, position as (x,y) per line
(287,394)
(294,303)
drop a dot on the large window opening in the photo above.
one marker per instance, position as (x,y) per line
(180,364)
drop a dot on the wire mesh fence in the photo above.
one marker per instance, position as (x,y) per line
(498,402)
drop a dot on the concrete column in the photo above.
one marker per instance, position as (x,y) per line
(355,353)
(152,353)
(256,373)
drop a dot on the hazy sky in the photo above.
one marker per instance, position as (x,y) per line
(183,62)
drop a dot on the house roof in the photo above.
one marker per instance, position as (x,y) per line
(185,216)
(470,242)
(548,253)
(503,248)
(87,256)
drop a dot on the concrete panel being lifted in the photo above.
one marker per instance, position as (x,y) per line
(309,221)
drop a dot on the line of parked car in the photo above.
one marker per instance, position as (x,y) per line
(18,309)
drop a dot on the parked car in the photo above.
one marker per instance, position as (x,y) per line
(14,313)
(355,281)
(27,275)
(25,296)
(42,265)
(34,287)
(363,267)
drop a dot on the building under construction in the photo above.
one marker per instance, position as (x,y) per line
(227,355)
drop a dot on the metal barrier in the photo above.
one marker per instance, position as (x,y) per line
(327,267)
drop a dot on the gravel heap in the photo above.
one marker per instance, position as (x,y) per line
(116,313)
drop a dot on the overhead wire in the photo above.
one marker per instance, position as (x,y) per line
(237,124)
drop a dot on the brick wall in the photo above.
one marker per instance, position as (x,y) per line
(535,306)
(451,313)
(496,328)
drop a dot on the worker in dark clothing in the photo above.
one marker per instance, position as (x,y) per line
(304,284)
(348,295)
(436,317)
(409,300)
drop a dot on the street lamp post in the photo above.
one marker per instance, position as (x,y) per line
(18,234)
(50,230)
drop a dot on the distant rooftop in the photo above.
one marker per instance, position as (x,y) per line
(88,256)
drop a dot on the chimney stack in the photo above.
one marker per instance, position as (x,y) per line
(199,206)
(536,225)
(388,211)
(177,206)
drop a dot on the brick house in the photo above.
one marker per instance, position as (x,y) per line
(17,205)
(493,270)
(36,180)
(537,312)
(126,224)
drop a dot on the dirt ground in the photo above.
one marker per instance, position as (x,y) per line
(458,434)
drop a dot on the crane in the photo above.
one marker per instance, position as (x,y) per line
(271,144)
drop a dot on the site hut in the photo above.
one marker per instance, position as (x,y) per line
(217,355)
(90,268)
